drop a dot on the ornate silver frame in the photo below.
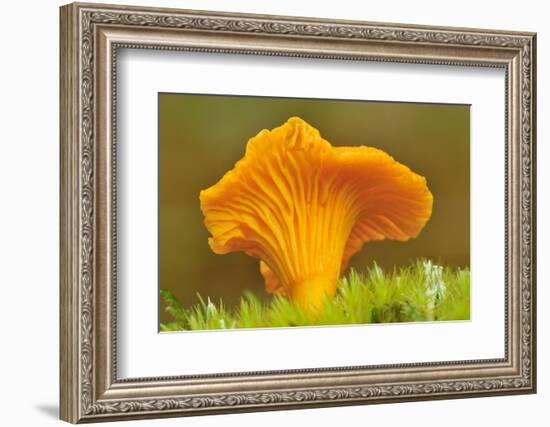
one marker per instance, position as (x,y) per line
(90,36)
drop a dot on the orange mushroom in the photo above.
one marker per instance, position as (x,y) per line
(304,207)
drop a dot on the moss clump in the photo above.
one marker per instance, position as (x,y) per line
(420,292)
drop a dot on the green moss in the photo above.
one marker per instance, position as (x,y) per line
(421,292)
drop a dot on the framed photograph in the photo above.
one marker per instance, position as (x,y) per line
(266,212)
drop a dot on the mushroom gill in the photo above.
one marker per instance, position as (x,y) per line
(304,207)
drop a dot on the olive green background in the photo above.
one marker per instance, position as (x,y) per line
(202,136)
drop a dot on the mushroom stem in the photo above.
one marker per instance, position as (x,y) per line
(311,292)
(315,243)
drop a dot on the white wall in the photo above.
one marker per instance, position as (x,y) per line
(29,170)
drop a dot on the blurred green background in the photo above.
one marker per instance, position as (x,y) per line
(202,136)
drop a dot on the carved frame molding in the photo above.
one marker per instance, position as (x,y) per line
(90,37)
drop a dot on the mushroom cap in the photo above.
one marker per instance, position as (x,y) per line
(304,207)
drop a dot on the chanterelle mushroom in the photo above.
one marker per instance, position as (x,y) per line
(304,207)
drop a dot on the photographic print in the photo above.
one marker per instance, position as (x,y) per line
(285,212)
